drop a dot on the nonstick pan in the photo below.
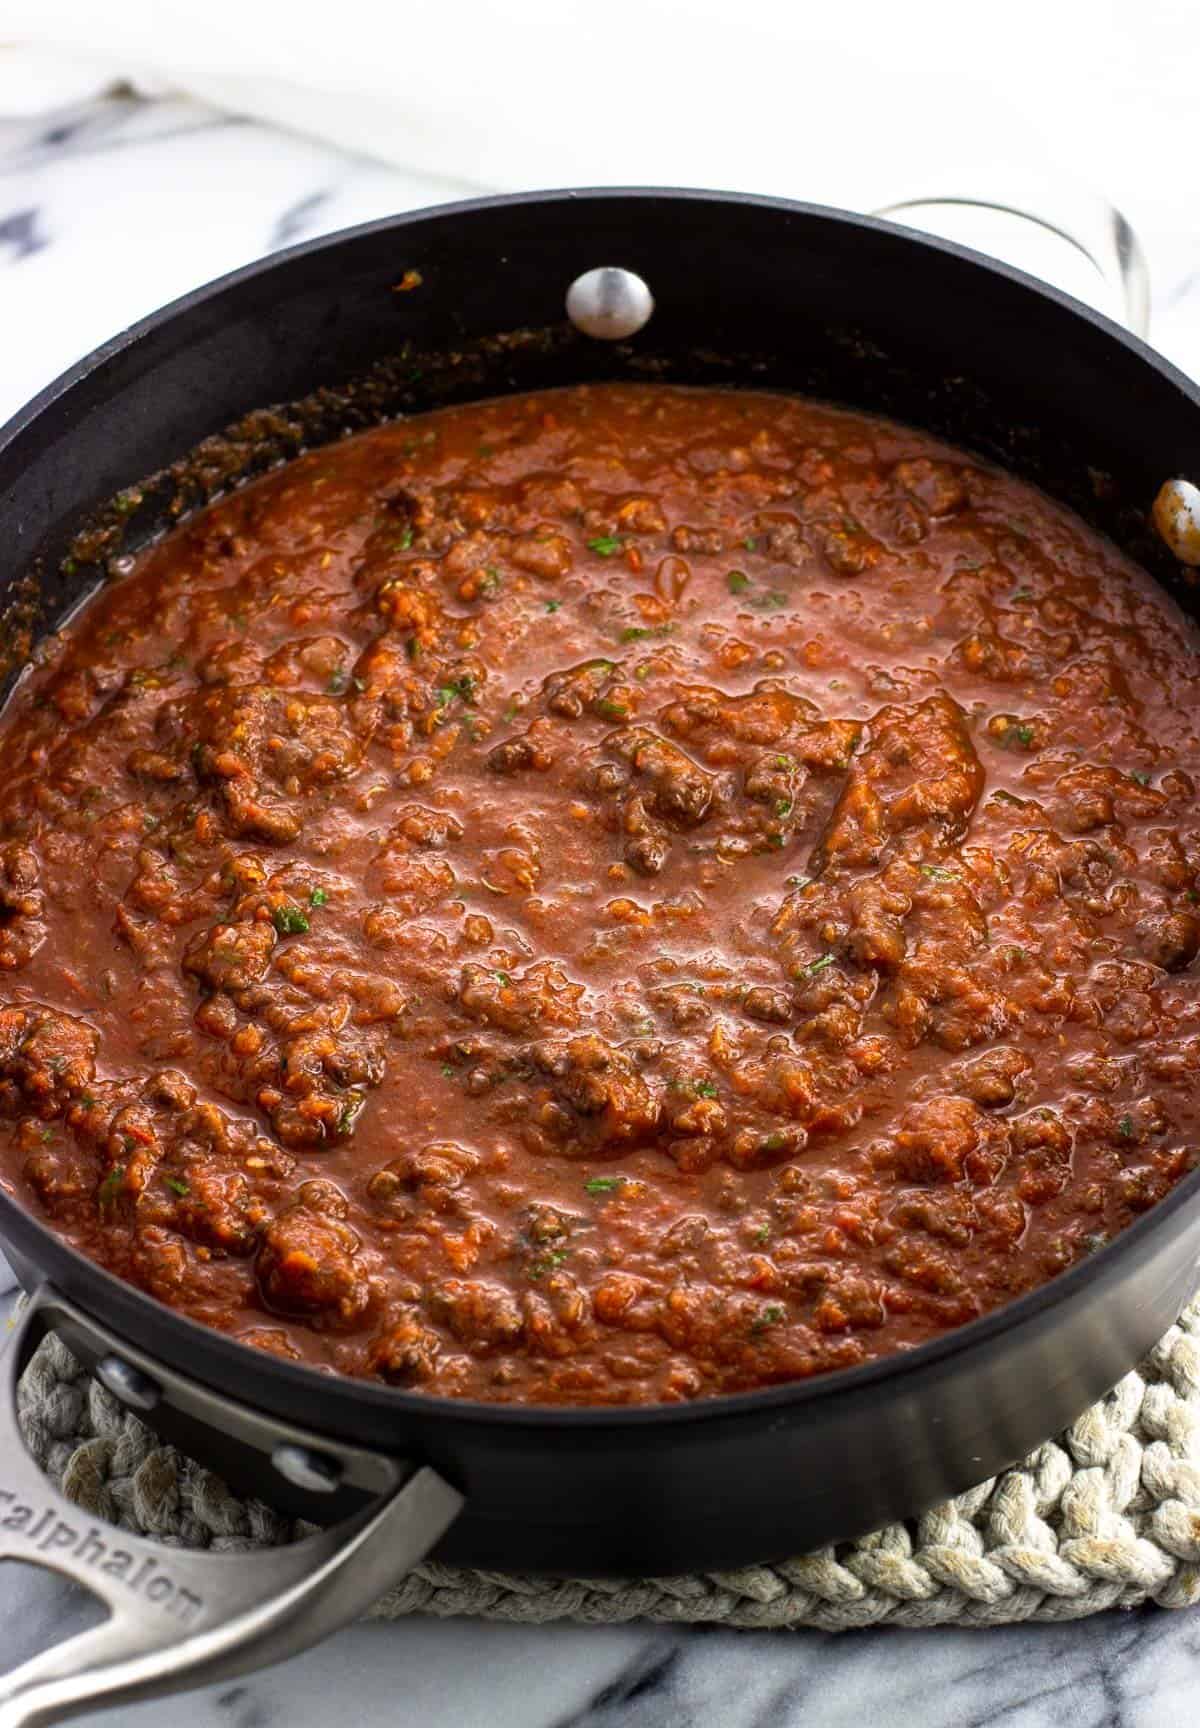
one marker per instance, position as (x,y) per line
(451,304)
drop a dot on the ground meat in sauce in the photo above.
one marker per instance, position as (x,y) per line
(609,896)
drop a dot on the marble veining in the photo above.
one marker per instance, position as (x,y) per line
(199,193)
(20,231)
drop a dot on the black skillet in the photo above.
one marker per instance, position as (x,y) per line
(447,305)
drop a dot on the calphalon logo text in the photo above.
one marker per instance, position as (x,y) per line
(49,1534)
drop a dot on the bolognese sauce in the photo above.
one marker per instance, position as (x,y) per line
(606,896)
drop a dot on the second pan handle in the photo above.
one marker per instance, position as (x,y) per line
(1086,221)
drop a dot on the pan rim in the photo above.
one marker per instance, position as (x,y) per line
(191,1338)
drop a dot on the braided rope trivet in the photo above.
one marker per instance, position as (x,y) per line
(1107,1515)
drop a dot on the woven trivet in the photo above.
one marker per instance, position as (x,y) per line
(1106,1515)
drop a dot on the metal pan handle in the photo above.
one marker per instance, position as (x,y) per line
(1082,218)
(179,1617)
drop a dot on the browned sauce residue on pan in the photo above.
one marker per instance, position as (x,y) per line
(603,897)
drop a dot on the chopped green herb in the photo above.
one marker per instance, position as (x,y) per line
(176,1186)
(547,1262)
(763,1233)
(1021,594)
(705,1088)
(634,633)
(1125,1128)
(816,966)
(938,873)
(773,599)
(338,681)
(738,581)
(1094,1241)
(783,806)
(606,545)
(510,714)
(775,1141)
(350,1111)
(777,840)
(751,545)
(404,542)
(463,688)
(447,1071)
(108,1190)
(318,897)
(1022,734)
(612,710)
(1137,774)
(604,1184)
(553,605)
(503,979)
(771,1315)
(87,1101)
(491,581)
(289,921)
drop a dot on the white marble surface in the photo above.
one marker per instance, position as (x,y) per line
(107,209)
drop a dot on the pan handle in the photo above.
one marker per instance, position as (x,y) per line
(1082,218)
(181,1617)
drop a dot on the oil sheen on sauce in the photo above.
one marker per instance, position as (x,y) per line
(608,896)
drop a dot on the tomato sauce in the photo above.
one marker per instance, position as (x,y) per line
(601,897)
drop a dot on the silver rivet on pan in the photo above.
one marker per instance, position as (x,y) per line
(128,1384)
(609,303)
(304,1468)
(1177,518)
